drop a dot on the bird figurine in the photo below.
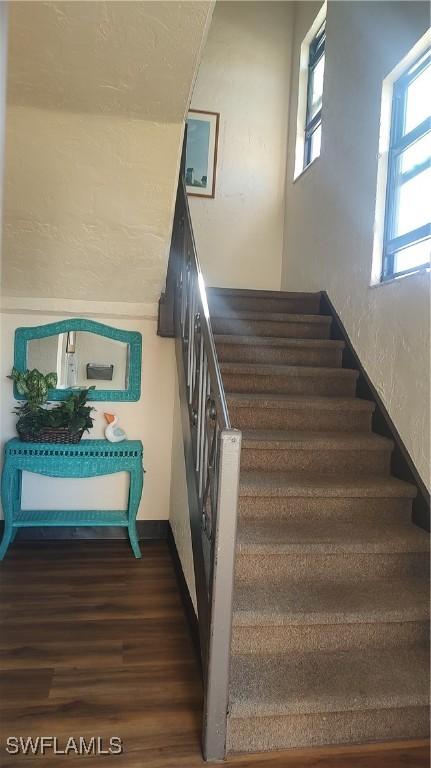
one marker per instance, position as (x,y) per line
(114,433)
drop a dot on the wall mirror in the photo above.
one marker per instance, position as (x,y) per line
(83,353)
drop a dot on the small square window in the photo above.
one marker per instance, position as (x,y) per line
(407,234)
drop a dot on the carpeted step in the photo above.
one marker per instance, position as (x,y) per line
(280,325)
(237,299)
(294,484)
(288,380)
(280,701)
(280,551)
(304,496)
(317,615)
(308,508)
(251,410)
(320,452)
(285,351)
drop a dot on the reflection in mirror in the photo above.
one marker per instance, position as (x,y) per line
(81,359)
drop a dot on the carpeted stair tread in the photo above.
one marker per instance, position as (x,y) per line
(265,369)
(276,317)
(328,681)
(259,400)
(309,484)
(275,341)
(265,294)
(317,602)
(304,440)
(325,537)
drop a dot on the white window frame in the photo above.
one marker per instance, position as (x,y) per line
(301,115)
(383,165)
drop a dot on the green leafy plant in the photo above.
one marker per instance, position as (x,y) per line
(34,386)
(72,414)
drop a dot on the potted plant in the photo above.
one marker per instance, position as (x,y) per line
(38,421)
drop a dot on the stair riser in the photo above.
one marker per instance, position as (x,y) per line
(305,638)
(301,418)
(260,734)
(244,353)
(331,386)
(304,306)
(286,330)
(313,460)
(282,568)
(299,508)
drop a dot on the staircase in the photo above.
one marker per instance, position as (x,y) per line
(330,618)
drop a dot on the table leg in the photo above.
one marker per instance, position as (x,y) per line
(16,495)
(9,478)
(17,491)
(135,493)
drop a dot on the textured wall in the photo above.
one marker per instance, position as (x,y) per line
(97,93)
(130,58)
(330,208)
(88,205)
(3,62)
(149,420)
(245,75)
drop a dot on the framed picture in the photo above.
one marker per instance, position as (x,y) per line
(201,152)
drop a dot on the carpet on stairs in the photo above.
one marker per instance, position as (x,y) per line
(331,601)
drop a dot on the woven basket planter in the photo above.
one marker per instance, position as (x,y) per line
(52,435)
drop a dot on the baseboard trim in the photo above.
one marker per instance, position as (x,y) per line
(402,465)
(188,606)
(147,530)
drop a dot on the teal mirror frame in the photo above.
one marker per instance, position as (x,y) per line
(132,338)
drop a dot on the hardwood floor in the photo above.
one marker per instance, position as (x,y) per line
(95,643)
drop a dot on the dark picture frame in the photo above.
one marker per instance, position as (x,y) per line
(201,152)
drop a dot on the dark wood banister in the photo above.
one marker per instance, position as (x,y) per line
(166,320)
(212,460)
(166,314)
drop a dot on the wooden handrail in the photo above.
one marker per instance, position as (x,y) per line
(212,458)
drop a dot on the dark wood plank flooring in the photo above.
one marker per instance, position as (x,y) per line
(95,643)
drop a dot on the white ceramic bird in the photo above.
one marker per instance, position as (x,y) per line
(113,433)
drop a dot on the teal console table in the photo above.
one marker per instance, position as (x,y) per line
(88,458)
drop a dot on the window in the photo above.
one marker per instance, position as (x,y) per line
(313,118)
(407,230)
(310,92)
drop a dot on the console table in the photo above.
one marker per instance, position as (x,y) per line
(88,458)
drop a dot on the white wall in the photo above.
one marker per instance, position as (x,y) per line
(92,155)
(149,420)
(244,75)
(3,65)
(97,93)
(330,208)
(88,205)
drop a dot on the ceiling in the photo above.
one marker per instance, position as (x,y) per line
(128,58)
